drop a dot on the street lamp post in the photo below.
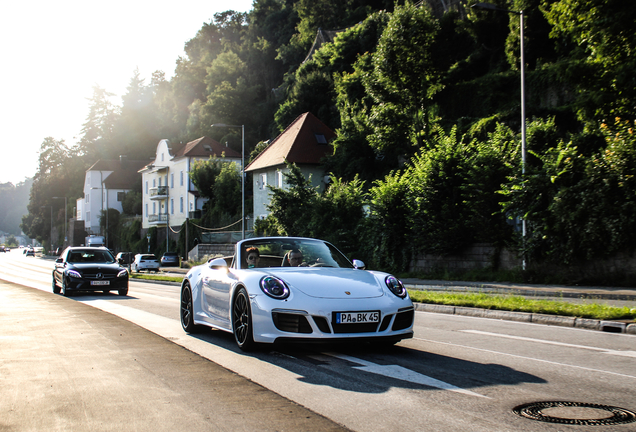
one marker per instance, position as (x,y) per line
(242,171)
(65,220)
(490,6)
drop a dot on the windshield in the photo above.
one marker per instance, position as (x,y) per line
(285,252)
(90,256)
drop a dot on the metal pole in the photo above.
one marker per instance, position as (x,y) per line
(243,181)
(523,128)
(490,6)
(107,218)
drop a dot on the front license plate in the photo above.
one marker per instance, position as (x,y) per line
(100,282)
(357,317)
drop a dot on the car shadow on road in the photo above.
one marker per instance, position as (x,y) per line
(369,368)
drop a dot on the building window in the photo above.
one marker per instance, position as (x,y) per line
(181,178)
(181,204)
(154,208)
(159,181)
(172,180)
(171,206)
(320,139)
(146,187)
(263,181)
(120,196)
(279,179)
(161,157)
(88,198)
(154,182)
(146,210)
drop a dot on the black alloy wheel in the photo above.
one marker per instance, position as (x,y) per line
(242,321)
(187,311)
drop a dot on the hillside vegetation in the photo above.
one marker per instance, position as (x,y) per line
(426,105)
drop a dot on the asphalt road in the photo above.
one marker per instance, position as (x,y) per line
(458,373)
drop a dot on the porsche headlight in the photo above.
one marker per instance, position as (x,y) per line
(74,274)
(274,287)
(122,273)
(395,286)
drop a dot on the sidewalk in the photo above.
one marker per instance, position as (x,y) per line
(67,366)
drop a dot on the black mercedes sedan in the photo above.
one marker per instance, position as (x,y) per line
(89,269)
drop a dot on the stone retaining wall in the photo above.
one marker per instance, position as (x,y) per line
(477,256)
(201,250)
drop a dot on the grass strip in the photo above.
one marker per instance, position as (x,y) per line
(522,304)
(156,277)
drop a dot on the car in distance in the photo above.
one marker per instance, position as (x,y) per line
(29,252)
(170,259)
(147,262)
(290,289)
(88,269)
(125,258)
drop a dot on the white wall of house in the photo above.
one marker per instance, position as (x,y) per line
(94,199)
(175,174)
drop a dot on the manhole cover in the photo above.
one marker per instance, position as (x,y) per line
(575,413)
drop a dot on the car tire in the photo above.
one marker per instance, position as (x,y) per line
(187,310)
(123,292)
(64,291)
(56,289)
(242,321)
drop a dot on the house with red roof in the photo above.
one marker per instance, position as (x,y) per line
(169,197)
(304,143)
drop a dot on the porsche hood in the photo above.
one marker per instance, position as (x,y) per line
(332,283)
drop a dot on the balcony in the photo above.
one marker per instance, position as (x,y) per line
(159,193)
(158,220)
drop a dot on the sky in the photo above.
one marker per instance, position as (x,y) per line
(54,52)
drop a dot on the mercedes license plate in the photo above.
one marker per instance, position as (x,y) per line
(357,317)
(100,282)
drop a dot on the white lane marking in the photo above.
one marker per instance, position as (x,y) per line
(524,357)
(543,341)
(154,322)
(404,374)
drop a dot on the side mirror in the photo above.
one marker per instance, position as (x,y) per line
(217,263)
(359,264)
(59,261)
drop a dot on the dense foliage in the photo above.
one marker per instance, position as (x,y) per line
(425,103)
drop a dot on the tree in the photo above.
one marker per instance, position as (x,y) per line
(606,82)
(403,81)
(220,182)
(135,133)
(98,130)
(291,208)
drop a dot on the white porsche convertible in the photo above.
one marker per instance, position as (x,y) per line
(286,289)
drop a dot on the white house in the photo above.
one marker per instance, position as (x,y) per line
(169,197)
(305,142)
(105,184)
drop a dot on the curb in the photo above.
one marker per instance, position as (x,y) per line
(627,294)
(558,320)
